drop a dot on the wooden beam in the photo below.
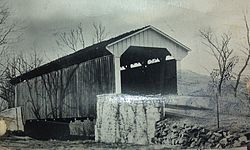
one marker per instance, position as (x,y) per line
(117,75)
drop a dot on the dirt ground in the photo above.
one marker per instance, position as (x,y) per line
(26,143)
(21,143)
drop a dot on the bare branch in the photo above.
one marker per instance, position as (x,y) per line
(247,57)
(220,50)
(10,32)
(100,32)
(74,39)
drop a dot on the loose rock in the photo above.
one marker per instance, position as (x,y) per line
(194,136)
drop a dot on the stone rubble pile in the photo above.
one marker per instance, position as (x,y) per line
(193,136)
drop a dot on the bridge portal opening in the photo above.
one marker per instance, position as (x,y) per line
(148,70)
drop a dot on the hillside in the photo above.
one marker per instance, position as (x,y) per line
(192,83)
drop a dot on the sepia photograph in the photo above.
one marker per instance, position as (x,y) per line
(124,74)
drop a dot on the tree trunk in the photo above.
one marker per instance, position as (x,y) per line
(219,88)
(61,92)
(239,75)
(235,90)
(217,110)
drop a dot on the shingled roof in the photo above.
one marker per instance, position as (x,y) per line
(91,52)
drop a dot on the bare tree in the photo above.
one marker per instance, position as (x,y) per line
(65,79)
(56,85)
(74,39)
(219,49)
(17,66)
(10,32)
(25,65)
(51,84)
(7,91)
(100,32)
(223,54)
(246,62)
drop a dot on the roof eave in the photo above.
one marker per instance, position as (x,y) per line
(127,36)
(156,30)
(170,38)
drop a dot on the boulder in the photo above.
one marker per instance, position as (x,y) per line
(236,143)
(223,142)
(3,127)
(243,140)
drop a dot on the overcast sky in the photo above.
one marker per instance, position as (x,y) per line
(180,19)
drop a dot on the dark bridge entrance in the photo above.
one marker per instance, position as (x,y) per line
(145,70)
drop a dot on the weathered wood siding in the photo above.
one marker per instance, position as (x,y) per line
(69,92)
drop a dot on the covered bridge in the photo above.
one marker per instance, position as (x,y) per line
(136,62)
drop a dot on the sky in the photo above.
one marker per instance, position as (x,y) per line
(181,19)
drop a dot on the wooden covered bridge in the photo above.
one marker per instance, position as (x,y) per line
(136,62)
